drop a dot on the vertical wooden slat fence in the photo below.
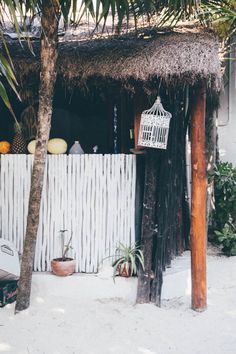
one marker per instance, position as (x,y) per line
(92,196)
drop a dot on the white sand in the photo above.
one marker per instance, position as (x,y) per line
(88,314)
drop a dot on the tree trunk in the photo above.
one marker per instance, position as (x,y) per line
(49,39)
(148,227)
(198,237)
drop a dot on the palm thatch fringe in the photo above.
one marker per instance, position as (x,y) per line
(172,57)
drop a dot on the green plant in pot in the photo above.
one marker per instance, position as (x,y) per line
(64,265)
(127,260)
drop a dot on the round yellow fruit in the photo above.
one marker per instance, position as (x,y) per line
(31,147)
(57,146)
(4,147)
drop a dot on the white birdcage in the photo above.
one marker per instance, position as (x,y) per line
(154,126)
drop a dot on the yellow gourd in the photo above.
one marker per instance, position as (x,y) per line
(57,146)
(4,147)
(31,147)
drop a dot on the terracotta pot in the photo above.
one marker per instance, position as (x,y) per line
(63,267)
(124,270)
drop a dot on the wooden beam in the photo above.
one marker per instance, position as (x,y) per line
(137,119)
(198,237)
(148,227)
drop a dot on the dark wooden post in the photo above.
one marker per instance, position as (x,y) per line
(148,227)
(198,237)
(140,164)
(137,118)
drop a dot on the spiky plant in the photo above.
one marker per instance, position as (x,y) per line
(18,145)
(29,122)
(129,258)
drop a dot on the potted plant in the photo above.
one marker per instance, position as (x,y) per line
(127,260)
(64,265)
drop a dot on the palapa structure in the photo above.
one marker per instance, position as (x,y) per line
(174,57)
(183,67)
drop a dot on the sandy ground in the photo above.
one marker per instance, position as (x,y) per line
(89,314)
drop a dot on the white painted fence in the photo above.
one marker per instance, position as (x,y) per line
(92,196)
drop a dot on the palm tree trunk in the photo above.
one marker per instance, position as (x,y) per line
(49,39)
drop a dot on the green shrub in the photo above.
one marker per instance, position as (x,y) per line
(224,215)
(227,238)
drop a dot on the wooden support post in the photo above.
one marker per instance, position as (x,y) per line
(148,227)
(137,119)
(198,237)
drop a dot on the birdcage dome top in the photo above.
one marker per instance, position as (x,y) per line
(157,110)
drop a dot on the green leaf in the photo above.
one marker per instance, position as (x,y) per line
(4,96)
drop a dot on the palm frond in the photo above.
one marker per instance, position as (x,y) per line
(171,12)
(221,15)
(14,11)
(7,75)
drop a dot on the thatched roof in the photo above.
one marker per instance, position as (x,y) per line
(184,57)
